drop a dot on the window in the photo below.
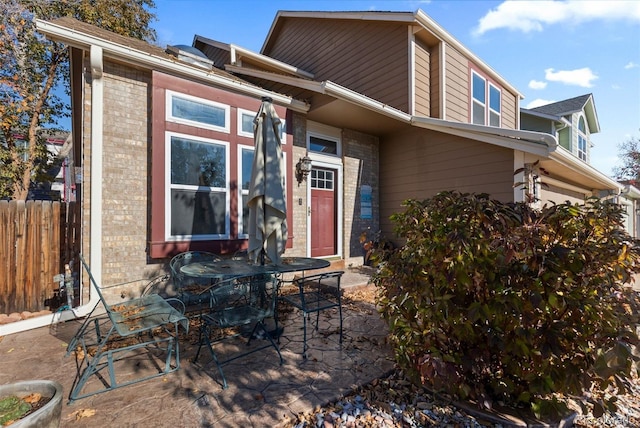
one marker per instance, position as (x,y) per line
(245,125)
(322,179)
(246,162)
(198,112)
(198,183)
(478,107)
(483,112)
(323,145)
(582,139)
(494,105)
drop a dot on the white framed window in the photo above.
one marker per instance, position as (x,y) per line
(486,101)
(495,103)
(479,99)
(245,125)
(197,176)
(582,139)
(245,162)
(194,111)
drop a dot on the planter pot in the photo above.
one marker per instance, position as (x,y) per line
(48,416)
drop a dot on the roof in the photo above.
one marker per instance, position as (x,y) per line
(577,104)
(140,53)
(564,107)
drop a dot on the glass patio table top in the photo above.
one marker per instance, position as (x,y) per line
(226,268)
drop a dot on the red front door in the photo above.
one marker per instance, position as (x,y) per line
(323,212)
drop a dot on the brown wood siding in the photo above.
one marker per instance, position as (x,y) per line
(509,111)
(368,57)
(220,57)
(436,110)
(420,163)
(456,85)
(422,80)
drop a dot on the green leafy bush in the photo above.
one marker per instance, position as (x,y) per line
(491,301)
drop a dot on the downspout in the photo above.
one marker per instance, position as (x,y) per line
(95,240)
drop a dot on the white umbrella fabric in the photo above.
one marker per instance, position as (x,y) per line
(267,194)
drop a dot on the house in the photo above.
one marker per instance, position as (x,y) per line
(455,121)
(572,122)
(387,106)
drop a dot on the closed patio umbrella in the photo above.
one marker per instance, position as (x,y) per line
(267,197)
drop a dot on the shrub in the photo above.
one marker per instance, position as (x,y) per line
(498,301)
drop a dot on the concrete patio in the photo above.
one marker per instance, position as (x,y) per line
(261,392)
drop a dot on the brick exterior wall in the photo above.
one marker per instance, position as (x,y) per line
(298,224)
(361,159)
(125,180)
(126,184)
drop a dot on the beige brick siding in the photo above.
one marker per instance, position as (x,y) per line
(125,180)
(360,157)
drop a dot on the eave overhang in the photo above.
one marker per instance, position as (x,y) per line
(135,57)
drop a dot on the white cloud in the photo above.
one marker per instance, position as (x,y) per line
(631,65)
(616,87)
(538,102)
(527,16)
(536,84)
(583,77)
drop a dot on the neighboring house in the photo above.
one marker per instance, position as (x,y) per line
(387,105)
(572,122)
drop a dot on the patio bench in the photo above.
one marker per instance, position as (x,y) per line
(139,326)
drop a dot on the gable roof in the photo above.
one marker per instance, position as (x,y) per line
(564,107)
(573,105)
(419,19)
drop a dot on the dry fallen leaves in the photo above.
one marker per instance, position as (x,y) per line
(83,413)
(32,398)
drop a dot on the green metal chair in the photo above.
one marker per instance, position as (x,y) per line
(129,328)
(237,302)
(194,292)
(316,293)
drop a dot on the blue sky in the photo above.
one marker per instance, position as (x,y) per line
(549,50)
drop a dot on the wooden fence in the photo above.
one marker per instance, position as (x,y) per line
(37,238)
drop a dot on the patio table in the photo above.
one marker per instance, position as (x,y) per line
(228,268)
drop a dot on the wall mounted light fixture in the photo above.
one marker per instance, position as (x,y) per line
(303,168)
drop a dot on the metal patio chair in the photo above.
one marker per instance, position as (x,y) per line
(194,292)
(131,328)
(316,293)
(238,302)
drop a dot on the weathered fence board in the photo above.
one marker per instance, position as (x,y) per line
(36,239)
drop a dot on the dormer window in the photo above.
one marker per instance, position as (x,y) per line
(483,112)
(582,139)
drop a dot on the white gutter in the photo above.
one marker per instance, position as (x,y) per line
(563,157)
(346,94)
(263,59)
(528,141)
(537,143)
(631,191)
(97,99)
(132,56)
